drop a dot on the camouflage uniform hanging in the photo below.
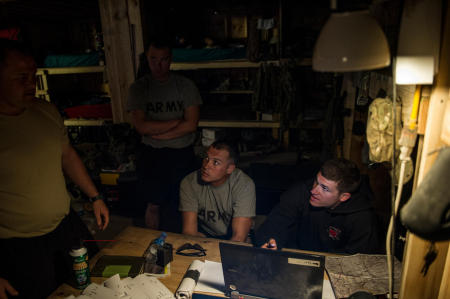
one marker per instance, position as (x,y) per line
(274,90)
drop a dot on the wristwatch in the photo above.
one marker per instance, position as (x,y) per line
(95,198)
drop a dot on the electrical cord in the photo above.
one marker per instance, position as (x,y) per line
(407,142)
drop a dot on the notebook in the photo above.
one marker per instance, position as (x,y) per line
(109,265)
(251,273)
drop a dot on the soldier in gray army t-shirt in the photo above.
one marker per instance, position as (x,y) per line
(165,111)
(218,200)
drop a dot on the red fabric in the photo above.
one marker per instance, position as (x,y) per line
(10,33)
(90,111)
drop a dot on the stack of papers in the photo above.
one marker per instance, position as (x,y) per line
(141,287)
(211,278)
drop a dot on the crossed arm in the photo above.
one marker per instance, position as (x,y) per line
(166,129)
(239,225)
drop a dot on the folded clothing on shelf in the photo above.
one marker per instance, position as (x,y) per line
(90,111)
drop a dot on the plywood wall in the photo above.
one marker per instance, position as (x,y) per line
(435,283)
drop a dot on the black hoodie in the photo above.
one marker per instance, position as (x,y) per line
(351,227)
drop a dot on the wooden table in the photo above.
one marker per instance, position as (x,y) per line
(134,240)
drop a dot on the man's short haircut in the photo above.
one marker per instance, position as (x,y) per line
(160,42)
(229,146)
(344,172)
(7,45)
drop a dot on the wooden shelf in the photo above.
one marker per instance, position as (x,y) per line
(42,89)
(238,124)
(70,70)
(231,92)
(225,64)
(308,125)
(219,64)
(85,122)
(201,124)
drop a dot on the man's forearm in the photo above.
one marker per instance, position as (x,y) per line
(183,128)
(239,237)
(154,127)
(241,226)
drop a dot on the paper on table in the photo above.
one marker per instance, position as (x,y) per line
(211,278)
(140,287)
(96,291)
(190,279)
(327,291)
(152,287)
(132,290)
(114,284)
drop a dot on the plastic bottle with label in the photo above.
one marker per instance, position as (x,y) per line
(80,266)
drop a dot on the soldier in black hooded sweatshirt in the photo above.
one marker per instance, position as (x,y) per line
(330,213)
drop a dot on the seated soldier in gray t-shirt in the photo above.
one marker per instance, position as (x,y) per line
(218,200)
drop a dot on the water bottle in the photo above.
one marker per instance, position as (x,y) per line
(158,243)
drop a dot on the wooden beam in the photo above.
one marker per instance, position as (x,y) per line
(445,136)
(414,285)
(218,64)
(122,35)
(423,113)
(70,70)
(238,124)
(444,290)
(77,122)
(134,17)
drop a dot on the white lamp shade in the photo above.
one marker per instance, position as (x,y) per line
(351,41)
(414,70)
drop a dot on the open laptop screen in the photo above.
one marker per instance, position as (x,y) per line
(263,273)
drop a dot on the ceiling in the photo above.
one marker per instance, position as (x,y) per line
(19,11)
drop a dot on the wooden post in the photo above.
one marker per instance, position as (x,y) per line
(122,33)
(444,290)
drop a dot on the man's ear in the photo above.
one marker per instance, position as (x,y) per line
(344,196)
(230,168)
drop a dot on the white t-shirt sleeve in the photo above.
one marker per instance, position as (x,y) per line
(244,201)
(188,200)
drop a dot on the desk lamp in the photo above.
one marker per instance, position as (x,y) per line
(350,41)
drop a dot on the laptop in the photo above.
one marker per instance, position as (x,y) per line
(257,273)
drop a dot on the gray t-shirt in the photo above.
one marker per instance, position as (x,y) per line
(216,206)
(164,101)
